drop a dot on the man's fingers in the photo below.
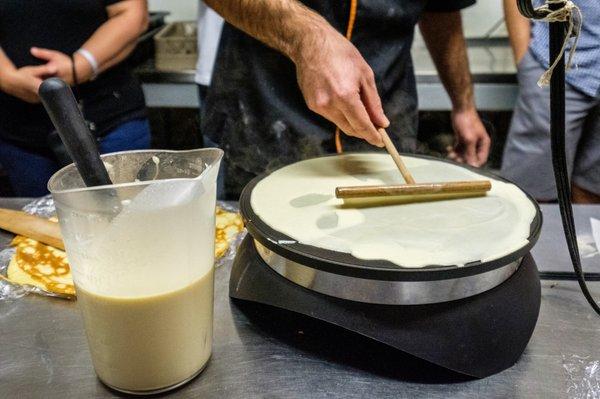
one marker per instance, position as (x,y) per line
(470,151)
(340,121)
(483,149)
(345,126)
(372,101)
(338,118)
(43,53)
(453,155)
(356,114)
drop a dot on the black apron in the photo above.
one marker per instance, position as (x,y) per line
(255,110)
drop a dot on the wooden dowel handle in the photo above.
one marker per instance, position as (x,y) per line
(30,226)
(391,149)
(466,187)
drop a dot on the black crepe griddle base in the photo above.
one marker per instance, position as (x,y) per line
(476,336)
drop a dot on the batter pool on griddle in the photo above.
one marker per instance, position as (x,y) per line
(298,201)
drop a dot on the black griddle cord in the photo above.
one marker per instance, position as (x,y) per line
(557,133)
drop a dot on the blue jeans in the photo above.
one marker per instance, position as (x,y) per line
(29,171)
(527,156)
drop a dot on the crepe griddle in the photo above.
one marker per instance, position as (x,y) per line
(474,319)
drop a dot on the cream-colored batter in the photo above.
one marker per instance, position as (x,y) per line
(144,282)
(298,200)
(148,343)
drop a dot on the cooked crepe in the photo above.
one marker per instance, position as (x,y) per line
(46,267)
(228,225)
(299,201)
(40,265)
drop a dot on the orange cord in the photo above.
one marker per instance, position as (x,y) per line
(351,20)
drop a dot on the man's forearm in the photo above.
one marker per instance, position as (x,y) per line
(519,29)
(335,80)
(286,25)
(445,41)
(444,37)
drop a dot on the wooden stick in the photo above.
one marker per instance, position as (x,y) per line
(391,149)
(458,187)
(30,226)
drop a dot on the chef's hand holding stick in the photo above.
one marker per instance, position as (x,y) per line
(336,81)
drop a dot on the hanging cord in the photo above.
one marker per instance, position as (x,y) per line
(566,13)
(558,40)
(557,134)
(351,20)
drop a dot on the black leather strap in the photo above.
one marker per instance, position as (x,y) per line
(559,158)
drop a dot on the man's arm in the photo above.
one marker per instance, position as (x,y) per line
(519,29)
(335,80)
(443,34)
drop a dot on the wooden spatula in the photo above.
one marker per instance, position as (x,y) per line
(30,226)
(418,192)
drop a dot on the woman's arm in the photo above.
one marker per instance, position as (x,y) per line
(519,29)
(110,44)
(23,82)
(117,37)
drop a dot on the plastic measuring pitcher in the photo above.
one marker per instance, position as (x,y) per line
(142,256)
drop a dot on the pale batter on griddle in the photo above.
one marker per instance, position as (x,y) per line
(298,200)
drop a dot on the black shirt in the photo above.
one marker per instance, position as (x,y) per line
(63,25)
(255,110)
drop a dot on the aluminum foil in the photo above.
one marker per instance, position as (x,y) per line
(583,377)
(44,207)
(231,251)
(10,291)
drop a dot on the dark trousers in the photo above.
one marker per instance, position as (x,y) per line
(29,170)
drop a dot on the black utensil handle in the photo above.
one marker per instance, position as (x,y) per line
(66,116)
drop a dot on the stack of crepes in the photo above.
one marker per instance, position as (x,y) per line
(46,267)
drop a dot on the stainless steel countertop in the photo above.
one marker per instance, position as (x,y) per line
(43,353)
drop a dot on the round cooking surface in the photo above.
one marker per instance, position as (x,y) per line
(316,180)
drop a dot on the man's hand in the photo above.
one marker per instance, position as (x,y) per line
(24,82)
(62,63)
(335,80)
(338,84)
(472,141)
(443,35)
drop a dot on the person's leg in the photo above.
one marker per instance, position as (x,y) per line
(527,156)
(28,171)
(586,174)
(131,135)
